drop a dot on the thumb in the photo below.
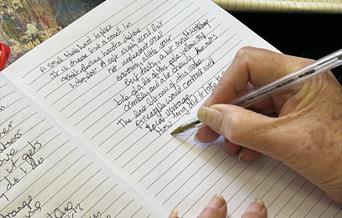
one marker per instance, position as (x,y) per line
(241,126)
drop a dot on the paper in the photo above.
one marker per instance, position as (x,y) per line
(45,173)
(320,6)
(122,77)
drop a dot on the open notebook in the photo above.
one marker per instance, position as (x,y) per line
(86,117)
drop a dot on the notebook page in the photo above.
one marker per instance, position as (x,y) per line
(44,173)
(326,6)
(137,71)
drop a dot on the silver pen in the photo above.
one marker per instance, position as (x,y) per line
(326,63)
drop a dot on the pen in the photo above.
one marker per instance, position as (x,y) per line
(326,63)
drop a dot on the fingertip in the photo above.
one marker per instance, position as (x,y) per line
(217,202)
(231,148)
(257,205)
(248,154)
(256,209)
(205,134)
(216,208)
(174,213)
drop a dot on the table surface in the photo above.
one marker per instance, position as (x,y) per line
(305,35)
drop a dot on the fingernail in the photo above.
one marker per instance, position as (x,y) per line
(210,116)
(174,213)
(256,206)
(256,209)
(202,113)
(196,138)
(259,201)
(241,155)
(216,202)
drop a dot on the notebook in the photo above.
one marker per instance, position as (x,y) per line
(86,120)
(308,6)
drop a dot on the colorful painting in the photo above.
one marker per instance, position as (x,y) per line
(24,24)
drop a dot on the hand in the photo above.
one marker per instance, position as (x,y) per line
(305,134)
(217,208)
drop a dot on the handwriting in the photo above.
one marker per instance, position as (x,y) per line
(28,156)
(112,43)
(69,210)
(154,66)
(12,166)
(11,182)
(99,215)
(8,156)
(11,141)
(155,94)
(106,33)
(5,130)
(2,108)
(29,205)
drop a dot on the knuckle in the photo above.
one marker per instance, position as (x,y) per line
(243,52)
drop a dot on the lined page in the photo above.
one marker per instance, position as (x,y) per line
(44,173)
(122,77)
(321,6)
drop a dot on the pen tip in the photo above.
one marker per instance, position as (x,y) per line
(176,131)
(185,127)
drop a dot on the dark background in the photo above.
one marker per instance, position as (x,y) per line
(305,35)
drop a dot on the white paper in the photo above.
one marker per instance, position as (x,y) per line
(44,172)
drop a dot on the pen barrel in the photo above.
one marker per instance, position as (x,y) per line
(326,63)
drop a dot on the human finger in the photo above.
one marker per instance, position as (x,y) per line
(216,208)
(205,134)
(254,66)
(241,126)
(256,209)
(247,154)
(231,148)
(174,214)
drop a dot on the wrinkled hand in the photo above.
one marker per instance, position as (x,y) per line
(217,208)
(306,131)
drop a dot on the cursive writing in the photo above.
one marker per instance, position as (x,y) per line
(2,108)
(5,130)
(11,141)
(28,156)
(99,215)
(68,210)
(156,94)
(28,205)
